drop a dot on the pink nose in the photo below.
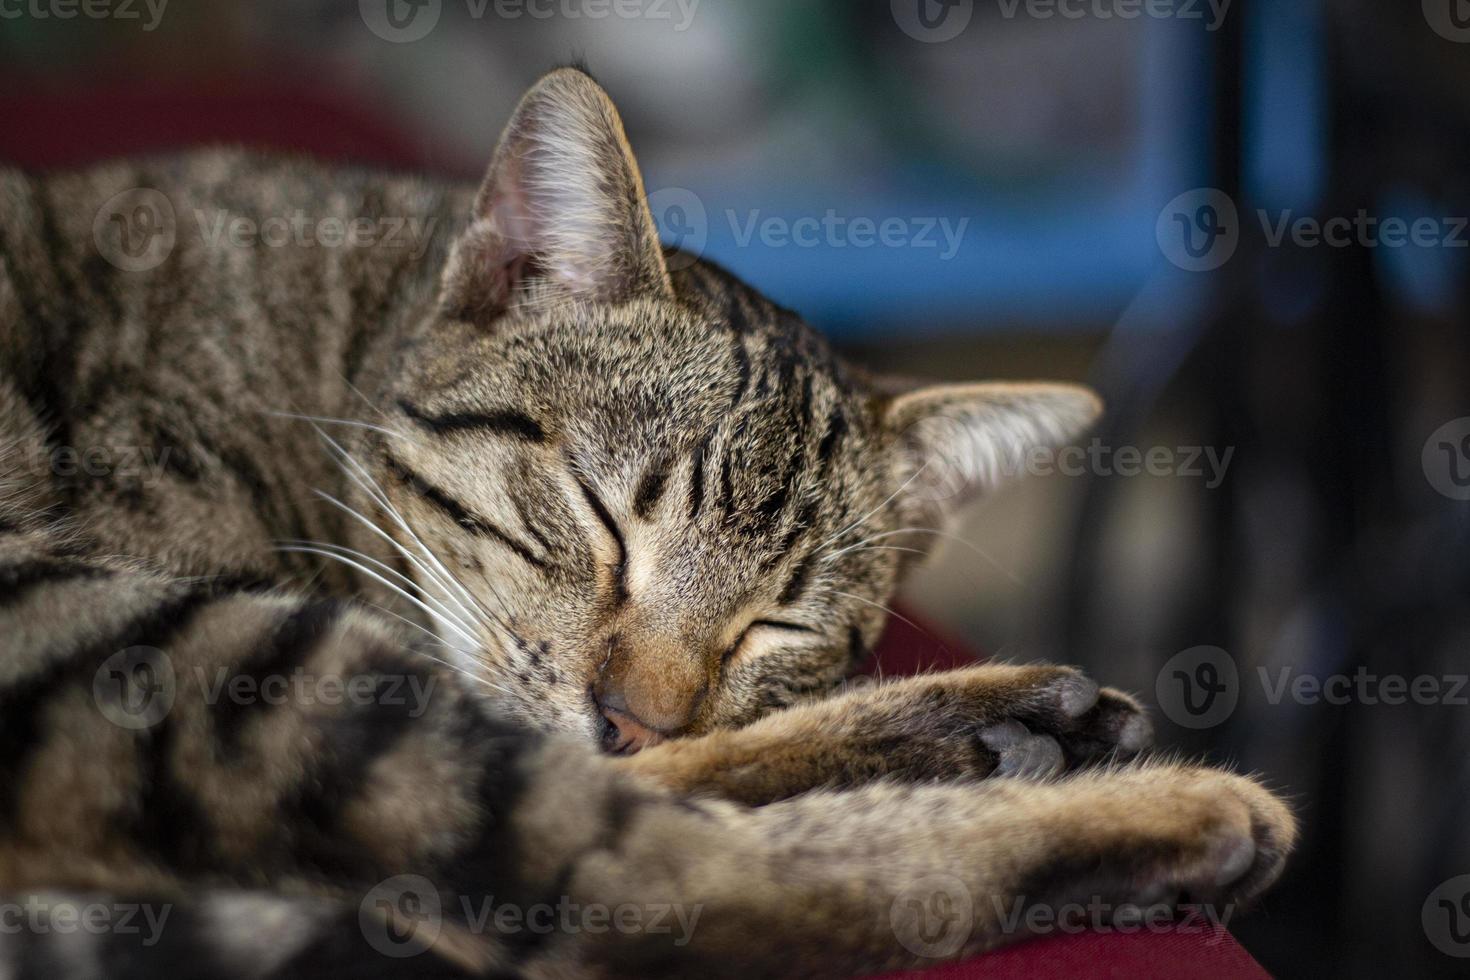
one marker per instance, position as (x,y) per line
(627,734)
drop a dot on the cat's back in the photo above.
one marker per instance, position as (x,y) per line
(229,267)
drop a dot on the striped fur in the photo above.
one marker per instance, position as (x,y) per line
(349,591)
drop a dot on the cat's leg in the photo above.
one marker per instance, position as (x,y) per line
(887,876)
(990,719)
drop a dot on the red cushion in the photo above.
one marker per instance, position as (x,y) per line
(72,128)
(1168,955)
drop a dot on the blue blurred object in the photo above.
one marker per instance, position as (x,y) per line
(1067,252)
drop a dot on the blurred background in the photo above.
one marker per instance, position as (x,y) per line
(1269,538)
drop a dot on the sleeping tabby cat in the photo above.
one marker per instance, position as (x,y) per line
(521,567)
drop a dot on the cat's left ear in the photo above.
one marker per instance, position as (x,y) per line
(562,208)
(952,443)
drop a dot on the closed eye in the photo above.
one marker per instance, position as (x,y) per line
(620,567)
(771,624)
(779,624)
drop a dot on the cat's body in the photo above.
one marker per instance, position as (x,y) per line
(623,506)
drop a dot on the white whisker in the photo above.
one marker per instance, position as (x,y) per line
(443,610)
(863,520)
(445,579)
(362,519)
(395,589)
(335,421)
(888,610)
(859,549)
(428,656)
(938,534)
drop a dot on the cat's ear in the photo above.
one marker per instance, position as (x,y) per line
(562,208)
(952,442)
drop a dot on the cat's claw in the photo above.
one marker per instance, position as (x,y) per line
(1021,753)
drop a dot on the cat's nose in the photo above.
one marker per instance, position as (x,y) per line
(625,733)
(647,692)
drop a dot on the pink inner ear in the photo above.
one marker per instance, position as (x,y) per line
(509,212)
(511,223)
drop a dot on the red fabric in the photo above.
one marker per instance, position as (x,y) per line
(64,129)
(47,129)
(1114,956)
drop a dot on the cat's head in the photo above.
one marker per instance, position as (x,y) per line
(670,505)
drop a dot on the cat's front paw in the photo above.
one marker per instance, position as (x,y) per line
(1035,720)
(1231,837)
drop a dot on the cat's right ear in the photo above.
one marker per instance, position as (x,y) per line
(562,209)
(953,442)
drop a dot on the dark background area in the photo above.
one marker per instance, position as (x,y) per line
(1056,149)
